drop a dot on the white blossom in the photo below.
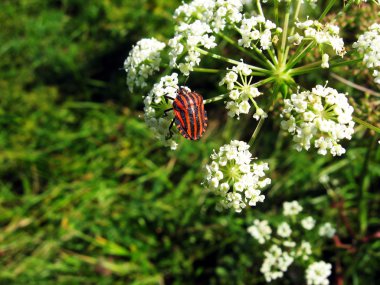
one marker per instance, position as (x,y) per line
(326,230)
(321,117)
(234,177)
(321,35)
(369,45)
(155,103)
(241,92)
(276,262)
(260,230)
(257,31)
(292,208)
(187,38)
(303,251)
(308,223)
(284,230)
(143,60)
(318,272)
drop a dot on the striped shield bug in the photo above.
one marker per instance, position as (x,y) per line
(190,116)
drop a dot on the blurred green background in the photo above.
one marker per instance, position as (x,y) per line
(87,196)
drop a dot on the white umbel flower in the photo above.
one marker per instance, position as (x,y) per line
(257,31)
(241,92)
(260,230)
(234,177)
(317,273)
(322,35)
(292,208)
(276,262)
(326,230)
(321,117)
(369,45)
(284,230)
(143,60)
(155,103)
(308,223)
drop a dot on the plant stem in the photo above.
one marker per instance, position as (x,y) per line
(235,62)
(256,132)
(284,35)
(299,56)
(365,124)
(327,9)
(215,99)
(263,60)
(295,17)
(206,70)
(317,65)
(259,7)
(354,85)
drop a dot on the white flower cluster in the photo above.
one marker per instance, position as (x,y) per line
(322,35)
(326,230)
(217,13)
(317,273)
(155,103)
(198,21)
(287,247)
(241,93)
(308,223)
(233,176)
(143,60)
(292,208)
(369,45)
(187,38)
(260,231)
(257,31)
(276,263)
(322,116)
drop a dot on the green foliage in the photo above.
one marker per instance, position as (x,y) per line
(87,196)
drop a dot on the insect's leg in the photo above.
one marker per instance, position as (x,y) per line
(170,134)
(166,112)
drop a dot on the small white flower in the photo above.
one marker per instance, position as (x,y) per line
(326,230)
(260,230)
(322,35)
(303,251)
(318,272)
(321,117)
(325,61)
(143,60)
(368,44)
(242,93)
(234,177)
(284,230)
(155,103)
(276,262)
(308,223)
(292,208)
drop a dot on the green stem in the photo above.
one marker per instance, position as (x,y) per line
(299,56)
(291,33)
(259,7)
(264,61)
(327,9)
(206,70)
(216,98)
(317,65)
(367,125)
(284,34)
(272,56)
(256,132)
(235,62)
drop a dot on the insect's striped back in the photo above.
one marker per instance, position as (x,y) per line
(190,115)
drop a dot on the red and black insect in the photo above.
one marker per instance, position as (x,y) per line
(190,116)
